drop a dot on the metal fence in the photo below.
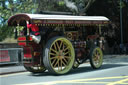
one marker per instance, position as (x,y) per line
(11,56)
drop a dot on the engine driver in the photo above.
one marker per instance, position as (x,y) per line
(34,32)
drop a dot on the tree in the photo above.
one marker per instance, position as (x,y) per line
(108,8)
(11,7)
(111,9)
(75,6)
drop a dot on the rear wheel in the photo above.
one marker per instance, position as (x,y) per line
(59,55)
(32,69)
(96,57)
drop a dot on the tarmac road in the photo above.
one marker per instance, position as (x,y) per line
(113,72)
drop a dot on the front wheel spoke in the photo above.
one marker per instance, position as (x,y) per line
(94,58)
(97,62)
(95,53)
(98,57)
(98,54)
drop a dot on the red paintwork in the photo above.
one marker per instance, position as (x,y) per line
(4,56)
(22,43)
(31,50)
(27,52)
(34,28)
(21,38)
(17,17)
(25,38)
(92,36)
(30,38)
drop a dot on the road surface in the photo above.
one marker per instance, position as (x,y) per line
(111,73)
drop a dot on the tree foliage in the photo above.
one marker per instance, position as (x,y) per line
(11,7)
(64,5)
(109,8)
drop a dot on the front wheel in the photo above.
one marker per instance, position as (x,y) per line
(59,55)
(96,57)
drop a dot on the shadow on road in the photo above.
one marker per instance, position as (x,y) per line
(90,69)
(82,70)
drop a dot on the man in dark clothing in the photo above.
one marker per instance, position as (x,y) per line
(34,32)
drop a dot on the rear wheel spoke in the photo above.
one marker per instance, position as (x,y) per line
(56,63)
(58,66)
(65,60)
(68,57)
(54,51)
(66,48)
(52,54)
(53,58)
(57,45)
(66,53)
(61,44)
(63,63)
(63,47)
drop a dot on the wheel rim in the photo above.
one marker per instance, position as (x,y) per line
(61,55)
(97,57)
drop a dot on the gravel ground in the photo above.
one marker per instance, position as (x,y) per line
(116,59)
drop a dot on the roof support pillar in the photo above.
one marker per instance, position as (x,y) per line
(100,29)
(28,32)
